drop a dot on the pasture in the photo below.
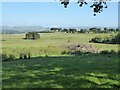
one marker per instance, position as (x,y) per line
(49,43)
(56,70)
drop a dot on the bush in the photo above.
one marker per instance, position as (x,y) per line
(107,39)
(12,57)
(118,51)
(64,52)
(101,39)
(116,39)
(29,55)
(112,52)
(105,52)
(97,39)
(32,35)
(76,52)
(25,56)
(21,56)
(46,55)
(5,57)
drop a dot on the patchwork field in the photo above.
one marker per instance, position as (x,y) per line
(48,68)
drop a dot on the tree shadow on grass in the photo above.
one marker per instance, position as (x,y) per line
(85,71)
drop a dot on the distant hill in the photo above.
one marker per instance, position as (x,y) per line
(24,29)
(21,29)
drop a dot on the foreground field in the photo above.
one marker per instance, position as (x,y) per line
(48,68)
(92,71)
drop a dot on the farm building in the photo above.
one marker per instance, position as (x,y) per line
(32,35)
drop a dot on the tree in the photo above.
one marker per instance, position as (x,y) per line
(97,5)
(117,29)
(32,35)
(82,31)
(72,30)
(55,29)
(65,30)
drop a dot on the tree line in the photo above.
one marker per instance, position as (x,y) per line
(93,30)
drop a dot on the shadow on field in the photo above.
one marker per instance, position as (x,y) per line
(85,71)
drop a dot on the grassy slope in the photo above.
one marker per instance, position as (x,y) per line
(92,71)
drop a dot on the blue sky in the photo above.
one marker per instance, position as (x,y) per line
(54,14)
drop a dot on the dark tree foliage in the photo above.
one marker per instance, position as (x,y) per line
(82,31)
(55,29)
(107,39)
(72,30)
(65,30)
(97,5)
(32,35)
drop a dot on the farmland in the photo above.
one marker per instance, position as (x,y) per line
(48,68)
(49,43)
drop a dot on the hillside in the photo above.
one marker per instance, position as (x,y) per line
(21,29)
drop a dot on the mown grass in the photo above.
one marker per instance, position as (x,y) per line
(91,71)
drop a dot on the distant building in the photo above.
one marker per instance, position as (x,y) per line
(32,35)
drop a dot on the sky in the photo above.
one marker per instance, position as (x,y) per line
(53,14)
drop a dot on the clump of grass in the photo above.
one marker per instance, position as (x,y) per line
(46,55)
(112,52)
(68,41)
(21,56)
(29,55)
(63,52)
(4,57)
(108,52)
(12,57)
(104,52)
(25,56)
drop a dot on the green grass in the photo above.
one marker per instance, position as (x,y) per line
(92,71)
(49,43)
(56,70)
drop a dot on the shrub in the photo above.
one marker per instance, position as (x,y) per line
(21,56)
(112,52)
(5,57)
(77,52)
(32,35)
(118,51)
(107,39)
(12,57)
(97,39)
(104,52)
(29,55)
(116,39)
(64,52)
(25,56)
(46,55)
(68,41)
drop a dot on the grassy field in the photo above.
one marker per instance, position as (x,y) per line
(56,70)
(92,71)
(49,43)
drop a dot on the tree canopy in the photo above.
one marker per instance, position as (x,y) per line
(97,5)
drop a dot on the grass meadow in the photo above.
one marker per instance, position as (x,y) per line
(49,43)
(56,70)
